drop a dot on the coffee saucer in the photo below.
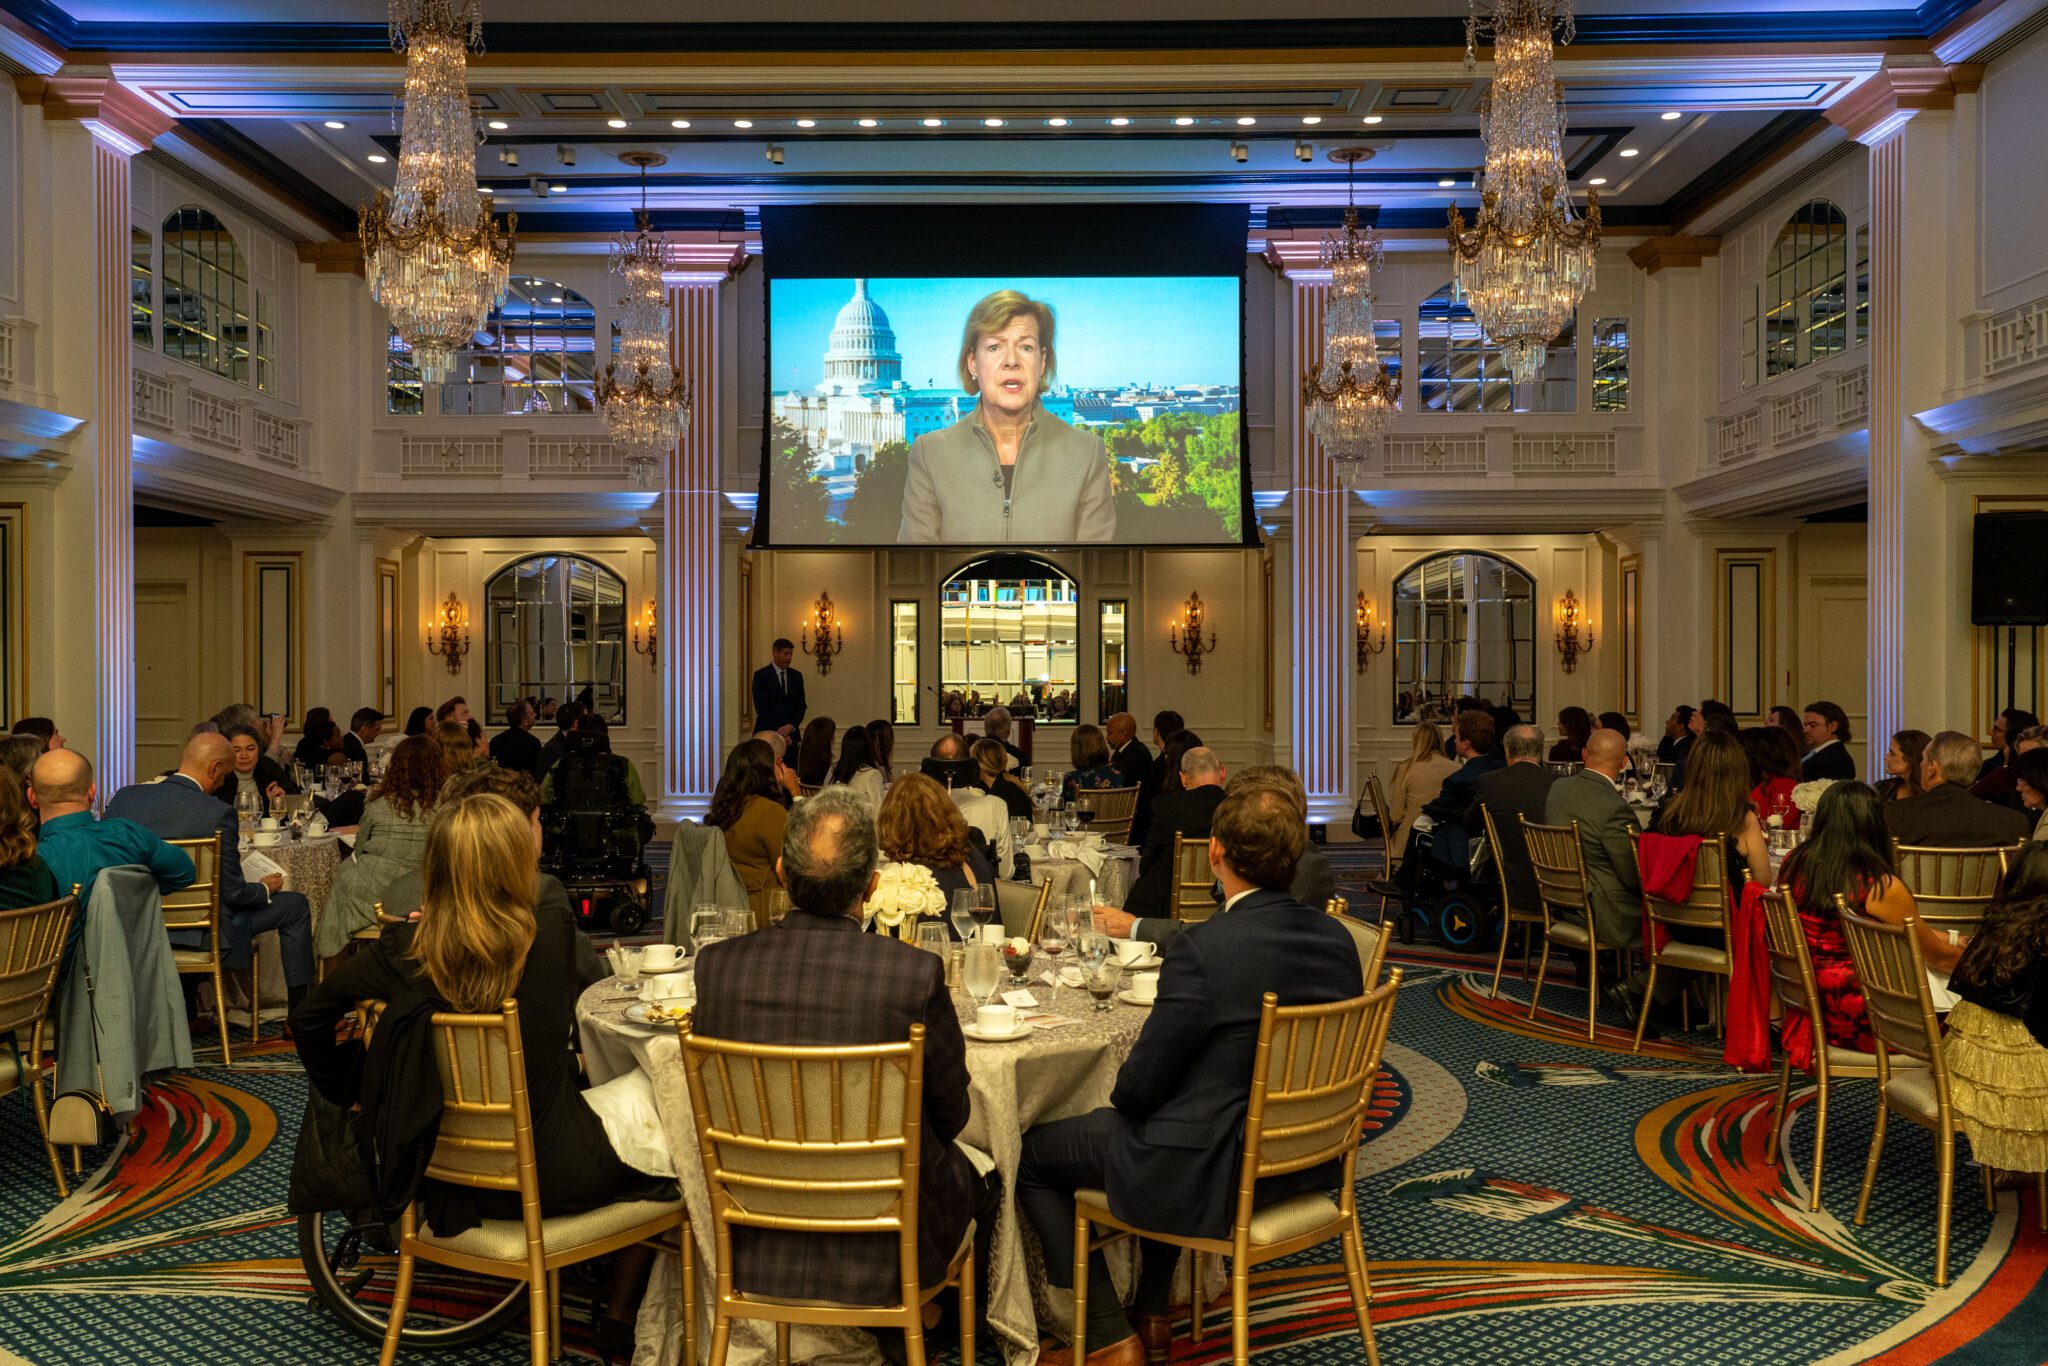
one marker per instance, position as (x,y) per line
(656,1014)
(973,1032)
(646,971)
(1147,1001)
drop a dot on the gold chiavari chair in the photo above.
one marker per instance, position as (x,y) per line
(1312,1080)
(1560,863)
(1114,809)
(1022,907)
(1192,879)
(1371,939)
(383,921)
(1530,918)
(823,1142)
(197,909)
(1390,862)
(1952,887)
(1895,993)
(1706,907)
(486,1143)
(808,790)
(31,946)
(1793,983)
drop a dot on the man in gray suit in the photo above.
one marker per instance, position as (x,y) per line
(1592,797)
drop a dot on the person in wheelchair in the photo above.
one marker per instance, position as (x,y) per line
(594,811)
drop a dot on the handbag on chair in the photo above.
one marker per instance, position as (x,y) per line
(81,1119)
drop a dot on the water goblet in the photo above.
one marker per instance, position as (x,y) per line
(962,913)
(930,936)
(982,971)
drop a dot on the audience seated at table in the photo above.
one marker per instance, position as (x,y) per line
(1158,773)
(1788,720)
(1993,782)
(856,767)
(1165,777)
(391,841)
(1996,1043)
(1773,772)
(1903,760)
(319,736)
(1592,797)
(1614,721)
(1092,770)
(567,717)
(1946,816)
(458,750)
(254,772)
(996,725)
(2030,786)
(1127,753)
(179,808)
(418,720)
(43,729)
(1575,727)
(1826,727)
(814,751)
(992,760)
(76,846)
(785,776)
(747,805)
(1678,734)
(363,729)
(1168,1148)
(1450,846)
(515,746)
(813,979)
(882,744)
(919,823)
(25,880)
(1186,812)
(1521,789)
(1847,851)
(1415,783)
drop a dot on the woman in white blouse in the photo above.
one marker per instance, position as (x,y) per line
(857,768)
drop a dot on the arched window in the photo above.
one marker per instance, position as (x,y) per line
(1460,371)
(1464,625)
(208,305)
(555,625)
(1010,635)
(1806,293)
(535,355)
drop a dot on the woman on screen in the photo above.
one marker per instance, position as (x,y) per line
(1009,470)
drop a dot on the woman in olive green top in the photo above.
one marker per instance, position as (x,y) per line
(747,806)
(1009,470)
(24,879)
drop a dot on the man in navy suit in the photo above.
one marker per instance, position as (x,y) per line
(178,808)
(779,693)
(1169,1146)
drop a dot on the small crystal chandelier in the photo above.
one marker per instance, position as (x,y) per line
(436,261)
(644,401)
(1352,393)
(1527,259)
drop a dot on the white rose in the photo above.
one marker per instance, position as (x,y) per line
(1806,796)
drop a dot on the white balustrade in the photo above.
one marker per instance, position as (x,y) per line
(574,457)
(276,440)
(1738,437)
(1564,453)
(2014,337)
(218,420)
(155,402)
(436,457)
(1795,416)
(1414,453)
(7,363)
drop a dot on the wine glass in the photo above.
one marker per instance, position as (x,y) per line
(1053,937)
(707,926)
(1070,819)
(985,908)
(1084,808)
(930,935)
(963,913)
(982,971)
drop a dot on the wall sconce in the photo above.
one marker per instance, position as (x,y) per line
(1366,649)
(651,622)
(453,639)
(823,635)
(1568,621)
(1185,634)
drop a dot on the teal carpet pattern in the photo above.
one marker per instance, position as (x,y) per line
(1524,1196)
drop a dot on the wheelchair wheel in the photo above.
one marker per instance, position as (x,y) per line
(1464,923)
(628,917)
(353,1268)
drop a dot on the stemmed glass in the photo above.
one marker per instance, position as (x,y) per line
(707,926)
(982,971)
(1053,937)
(1099,967)
(985,909)
(963,914)
(1084,808)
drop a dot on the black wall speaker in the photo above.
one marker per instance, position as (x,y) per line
(2009,570)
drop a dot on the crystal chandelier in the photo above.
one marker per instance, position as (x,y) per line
(1527,259)
(644,401)
(1352,393)
(436,261)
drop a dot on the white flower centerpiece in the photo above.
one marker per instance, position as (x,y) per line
(1806,796)
(1642,753)
(904,894)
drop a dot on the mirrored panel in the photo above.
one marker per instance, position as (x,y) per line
(1009,634)
(1116,683)
(555,627)
(1464,624)
(903,679)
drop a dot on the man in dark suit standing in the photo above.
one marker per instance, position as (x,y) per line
(514,747)
(1592,797)
(1945,815)
(812,978)
(179,808)
(1186,812)
(1521,789)
(1827,738)
(1127,753)
(779,693)
(1169,1146)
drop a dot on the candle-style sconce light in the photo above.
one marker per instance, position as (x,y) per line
(1569,620)
(648,619)
(1366,649)
(450,640)
(824,635)
(1185,633)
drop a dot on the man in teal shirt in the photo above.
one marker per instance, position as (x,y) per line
(76,847)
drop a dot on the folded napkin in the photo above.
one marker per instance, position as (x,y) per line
(1089,858)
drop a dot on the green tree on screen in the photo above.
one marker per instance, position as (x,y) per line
(875,512)
(797,499)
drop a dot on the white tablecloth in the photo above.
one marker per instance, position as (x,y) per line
(309,867)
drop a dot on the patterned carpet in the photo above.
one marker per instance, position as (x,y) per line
(1525,1198)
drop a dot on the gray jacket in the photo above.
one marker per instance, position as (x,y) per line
(1613,884)
(1059,493)
(120,1012)
(700,873)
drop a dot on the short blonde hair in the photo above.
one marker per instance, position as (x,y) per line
(996,312)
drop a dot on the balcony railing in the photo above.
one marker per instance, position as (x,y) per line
(553,458)
(2013,338)
(450,456)
(1410,453)
(275,439)
(214,419)
(156,401)
(7,363)
(1565,453)
(1831,405)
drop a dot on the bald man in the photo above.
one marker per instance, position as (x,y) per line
(179,808)
(1127,753)
(1592,797)
(76,847)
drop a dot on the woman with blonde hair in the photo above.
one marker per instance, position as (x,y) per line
(390,842)
(1417,780)
(920,824)
(458,749)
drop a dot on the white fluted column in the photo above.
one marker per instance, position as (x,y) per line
(1322,570)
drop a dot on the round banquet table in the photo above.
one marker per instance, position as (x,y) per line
(1071,876)
(309,866)
(1051,1073)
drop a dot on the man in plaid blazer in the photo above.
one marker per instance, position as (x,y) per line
(813,978)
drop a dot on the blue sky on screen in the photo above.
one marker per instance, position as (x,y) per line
(1111,331)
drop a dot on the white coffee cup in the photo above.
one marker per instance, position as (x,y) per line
(1039,832)
(671,986)
(993,934)
(996,1018)
(267,823)
(1143,986)
(658,958)
(1129,951)
(265,837)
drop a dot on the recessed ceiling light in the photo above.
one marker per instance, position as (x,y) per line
(991,123)
(1372,118)
(376,159)
(1183,122)
(1311,118)
(554,298)
(499,125)
(1598,180)
(1247,121)
(1630,151)
(1119,122)
(743,123)
(1671,115)
(1055,123)
(336,123)
(807,123)
(615,123)
(559,189)
(868,123)
(679,123)
(933,123)
(1445,184)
